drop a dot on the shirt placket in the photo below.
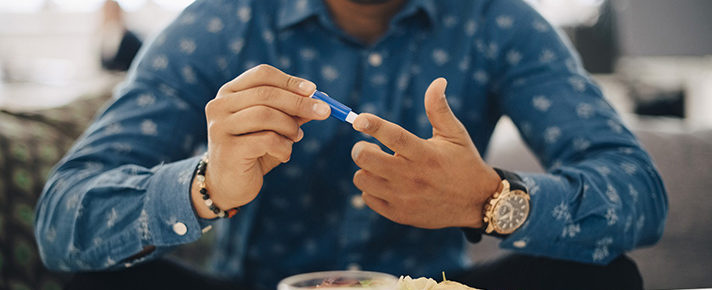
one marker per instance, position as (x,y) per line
(375,93)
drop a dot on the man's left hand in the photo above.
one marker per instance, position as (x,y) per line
(435,183)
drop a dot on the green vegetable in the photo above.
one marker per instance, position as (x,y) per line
(366,283)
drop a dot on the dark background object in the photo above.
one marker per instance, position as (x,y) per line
(129,47)
(664,103)
(598,44)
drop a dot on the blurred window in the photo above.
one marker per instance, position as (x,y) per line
(33,6)
(21,6)
(78,5)
(569,13)
(131,5)
(173,4)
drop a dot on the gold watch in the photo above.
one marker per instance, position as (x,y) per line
(508,209)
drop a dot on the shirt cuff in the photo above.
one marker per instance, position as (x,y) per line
(541,234)
(172,220)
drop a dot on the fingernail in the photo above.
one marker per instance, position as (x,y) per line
(321,109)
(300,135)
(307,87)
(361,124)
(355,152)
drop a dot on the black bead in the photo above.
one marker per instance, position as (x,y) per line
(204,191)
(216,210)
(205,196)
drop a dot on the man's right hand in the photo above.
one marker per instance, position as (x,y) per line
(252,124)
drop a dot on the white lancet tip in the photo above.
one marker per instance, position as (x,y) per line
(351,117)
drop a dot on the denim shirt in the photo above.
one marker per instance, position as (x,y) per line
(125,185)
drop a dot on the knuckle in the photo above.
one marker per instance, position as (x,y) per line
(263,114)
(376,126)
(300,103)
(419,181)
(400,139)
(223,89)
(263,69)
(264,94)
(212,107)
(295,130)
(292,82)
(442,108)
(359,178)
(432,162)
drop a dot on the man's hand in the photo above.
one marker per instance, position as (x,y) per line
(252,124)
(435,183)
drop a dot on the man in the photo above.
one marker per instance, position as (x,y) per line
(119,45)
(128,193)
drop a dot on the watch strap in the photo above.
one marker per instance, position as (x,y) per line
(474,235)
(515,181)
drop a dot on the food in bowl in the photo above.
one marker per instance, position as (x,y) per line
(343,280)
(422,283)
(339,280)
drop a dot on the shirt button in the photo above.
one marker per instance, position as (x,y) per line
(357,202)
(520,244)
(353,267)
(375,59)
(180,229)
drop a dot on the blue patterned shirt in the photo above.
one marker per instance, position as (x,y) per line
(125,184)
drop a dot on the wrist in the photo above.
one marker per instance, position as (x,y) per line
(202,201)
(198,202)
(489,185)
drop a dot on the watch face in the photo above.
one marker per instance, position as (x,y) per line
(510,212)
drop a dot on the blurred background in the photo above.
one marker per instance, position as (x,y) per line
(60,59)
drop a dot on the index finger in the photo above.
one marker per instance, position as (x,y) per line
(393,136)
(266,75)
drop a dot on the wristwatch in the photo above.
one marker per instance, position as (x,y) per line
(508,209)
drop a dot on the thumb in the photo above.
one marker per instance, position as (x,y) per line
(439,113)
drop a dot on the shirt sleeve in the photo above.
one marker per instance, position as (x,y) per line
(601,194)
(124,187)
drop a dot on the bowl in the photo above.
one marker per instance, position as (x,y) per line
(339,280)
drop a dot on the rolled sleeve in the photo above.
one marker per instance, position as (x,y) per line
(169,206)
(601,195)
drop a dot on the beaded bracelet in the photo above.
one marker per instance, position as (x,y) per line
(200,177)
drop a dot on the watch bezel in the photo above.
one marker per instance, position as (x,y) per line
(503,193)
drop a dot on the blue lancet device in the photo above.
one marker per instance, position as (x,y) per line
(338,110)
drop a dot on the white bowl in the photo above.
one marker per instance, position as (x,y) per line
(339,280)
